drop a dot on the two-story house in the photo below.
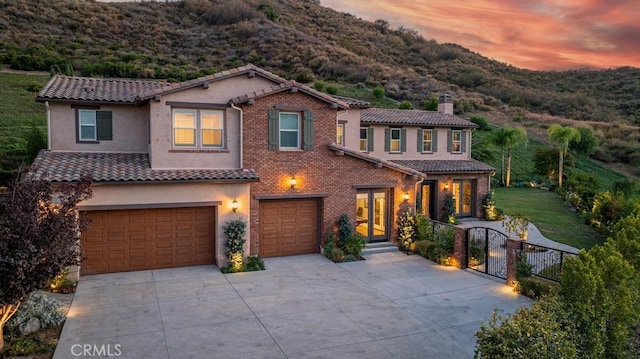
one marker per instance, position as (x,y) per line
(172,162)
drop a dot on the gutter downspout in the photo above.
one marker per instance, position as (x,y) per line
(241,134)
(46,104)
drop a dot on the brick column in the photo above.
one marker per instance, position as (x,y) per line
(513,249)
(460,247)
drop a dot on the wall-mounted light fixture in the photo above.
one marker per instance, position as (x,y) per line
(405,196)
(446,186)
(235,205)
(293,182)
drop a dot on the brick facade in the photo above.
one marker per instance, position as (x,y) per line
(481,183)
(320,171)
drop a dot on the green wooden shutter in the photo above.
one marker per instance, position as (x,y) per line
(434,140)
(309,133)
(387,139)
(370,139)
(420,140)
(449,138)
(104,126)
(403,140)
(274,129)
(463,139)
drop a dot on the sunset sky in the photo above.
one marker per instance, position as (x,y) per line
(538,35)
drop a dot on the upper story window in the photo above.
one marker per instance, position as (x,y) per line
(198,128)
(456,141)
(94,125)
(426,141)
(340,134)
(289,131)
(395,140)
(364,139)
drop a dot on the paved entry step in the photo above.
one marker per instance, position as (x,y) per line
(379,247)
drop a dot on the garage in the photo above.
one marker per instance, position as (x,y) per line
(288,227)
(151,238)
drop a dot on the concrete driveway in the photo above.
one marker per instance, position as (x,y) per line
(389,306)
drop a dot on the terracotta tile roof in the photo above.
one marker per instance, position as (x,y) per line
(288,85)
(383,116)
(352,102)
(446,166)
(123,167)
(93,89)
(249,69)
(384,163)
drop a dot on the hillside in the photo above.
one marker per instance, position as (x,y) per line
(300,39)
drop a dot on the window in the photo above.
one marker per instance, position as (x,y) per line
(395,140)
(456,141)
(340,134)
(212,128)
(427,141)
(198,128)
(364,139)
(94,126)
(289,130)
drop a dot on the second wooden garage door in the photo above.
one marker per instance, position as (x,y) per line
(288,227)
(139,239)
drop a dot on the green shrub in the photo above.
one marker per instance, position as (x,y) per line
(535,287)
(345,229)
(27,346)
(406,229)
(542,332)
(423,228)
(254,263)
(350,258)
(378,92)
(331,249)
(444,239)
(482,123)
(405,105)
(476,252)
(425,249)
(318,85)
(304,77)
(332,90)
(354,245)
(448,215)
(235,230)
(489,210)
(39,305)
(430,104)
(523,268)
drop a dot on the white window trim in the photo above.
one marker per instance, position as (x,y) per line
(392,140)
(365,139)
(95,126)
(201,128)
(453,141)
(299,132)
(427,141)
(198,142)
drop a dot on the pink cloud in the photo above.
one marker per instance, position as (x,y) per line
(536,35)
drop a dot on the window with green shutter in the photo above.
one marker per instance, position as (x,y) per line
(288,132)
(395,140)
(309,131)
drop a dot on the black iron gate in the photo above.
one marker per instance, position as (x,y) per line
(487,251)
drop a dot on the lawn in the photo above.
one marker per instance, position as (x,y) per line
(548,212)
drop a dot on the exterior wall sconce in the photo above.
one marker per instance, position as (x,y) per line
(235,205)
(405,196)
(446,186)
(293,182)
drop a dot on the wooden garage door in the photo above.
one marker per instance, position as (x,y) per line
(138,239)
(288,227)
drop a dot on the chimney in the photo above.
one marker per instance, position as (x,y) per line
(445,104)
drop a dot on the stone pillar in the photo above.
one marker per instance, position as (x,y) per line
(513,249)
(459,247)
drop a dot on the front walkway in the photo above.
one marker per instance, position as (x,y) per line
(389,306)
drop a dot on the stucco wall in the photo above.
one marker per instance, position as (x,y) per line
(412,146)
(140,194)
(317,171)
(129,129)
(351,117)
(164,155)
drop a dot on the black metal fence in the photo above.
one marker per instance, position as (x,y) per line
(545,262)
(487,251)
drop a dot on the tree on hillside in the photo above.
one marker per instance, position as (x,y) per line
(586,144)
(38,237)
(562,136)
(506,138)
